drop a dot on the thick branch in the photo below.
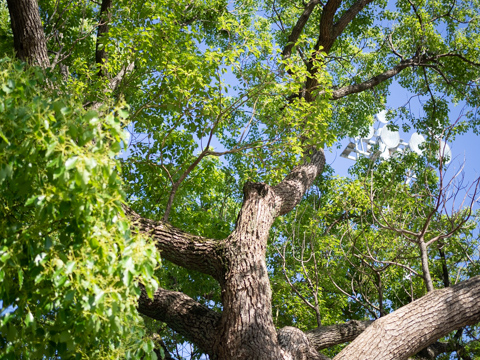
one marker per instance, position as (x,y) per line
(295,343)
(291,190)
(376,80)
(326,36)
(184,315)
(324,337)
(417,325)
(183,249)
(298,28)
(438,348)
(348,16)
(371,83)
(328,33)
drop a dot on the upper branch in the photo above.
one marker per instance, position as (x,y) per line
(184,315)
(291,190)
(326,35)
(416,60)
(413,327)
(374,81)
(329,31)
(348,16)
(105,17)
(183,249)
(298,28)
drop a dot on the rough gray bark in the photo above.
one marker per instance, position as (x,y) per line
(417,325)
(183,249)
(327,336)
(189,318)
(296,343)
(247,329)
(28,35)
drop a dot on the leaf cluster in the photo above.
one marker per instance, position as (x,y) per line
(69,264)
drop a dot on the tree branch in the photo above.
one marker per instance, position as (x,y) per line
(326,36)
(371,83)
(105,18)
(183,249)
(419,324)
(348,16)
(296,343)
(328,33)
(324,337)
(184,315)
(298,28)
(291,190)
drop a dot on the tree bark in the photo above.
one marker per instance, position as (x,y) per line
(247,329)
(184,315)
(417,325)
(247,325)
(105,18)
(324,337)
(28,34)
(183,249)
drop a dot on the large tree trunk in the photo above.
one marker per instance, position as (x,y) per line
(247,326)
(246,329)
(28,34)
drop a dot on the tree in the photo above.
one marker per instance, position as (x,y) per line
(306,75)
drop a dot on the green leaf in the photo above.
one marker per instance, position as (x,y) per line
(70,163)
(29,319)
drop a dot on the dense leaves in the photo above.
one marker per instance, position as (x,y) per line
(69,265)
(215,100)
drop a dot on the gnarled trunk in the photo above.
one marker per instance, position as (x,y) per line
(247,325)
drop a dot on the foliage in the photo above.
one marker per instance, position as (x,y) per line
(6,36)
(69,265)
(210,87)
(349,250)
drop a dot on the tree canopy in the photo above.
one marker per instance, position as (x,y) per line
(163,180)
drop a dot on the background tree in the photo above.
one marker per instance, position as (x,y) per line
(269,85)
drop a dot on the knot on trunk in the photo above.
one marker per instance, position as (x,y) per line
(296,345)
(259,189)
